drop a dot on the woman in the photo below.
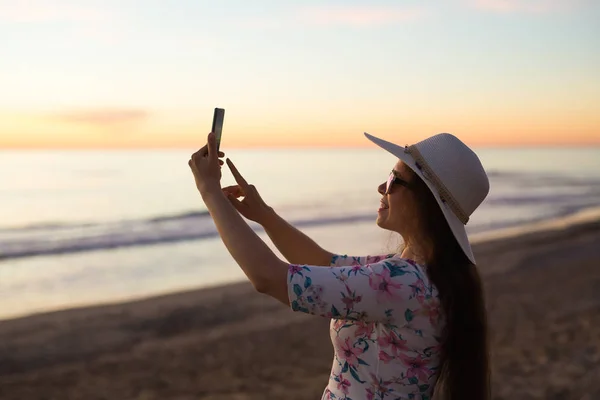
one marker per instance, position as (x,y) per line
(402,324)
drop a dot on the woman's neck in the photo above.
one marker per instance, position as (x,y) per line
(411,255)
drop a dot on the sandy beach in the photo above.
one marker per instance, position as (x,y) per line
(543,297)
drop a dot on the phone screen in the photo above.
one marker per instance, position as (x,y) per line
(217,126)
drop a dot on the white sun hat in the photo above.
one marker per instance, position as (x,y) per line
(453,173)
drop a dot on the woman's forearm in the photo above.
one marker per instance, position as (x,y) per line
(295,246)
(263,268)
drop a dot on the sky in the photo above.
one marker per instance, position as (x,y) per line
(148,74)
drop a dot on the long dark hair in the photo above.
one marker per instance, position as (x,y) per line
(464,368)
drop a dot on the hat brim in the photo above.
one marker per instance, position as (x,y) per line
(457,227)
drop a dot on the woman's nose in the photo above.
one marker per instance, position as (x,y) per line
(381,189)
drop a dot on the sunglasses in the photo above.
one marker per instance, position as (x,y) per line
(393,178)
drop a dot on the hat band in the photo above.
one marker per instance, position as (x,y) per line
(444,193)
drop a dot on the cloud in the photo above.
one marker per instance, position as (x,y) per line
(360,16)
(104,117)
(99,25)
(48,11)
(526,6)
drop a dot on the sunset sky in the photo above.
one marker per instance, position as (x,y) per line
(125,73)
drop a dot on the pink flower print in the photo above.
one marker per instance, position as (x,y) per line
(348,352)
(341,277)
(417,367)
(435,349)
(379,386)
(349,302)
(316,289)
(374,259)
(317,308)
(418,290)
(361,316)
(370,394)
(363,329)
(385,357)
(392,340)
(356,261)
(302,302)
(385,287)
(351,299)
(343,384)
(338,323)
(431,309)
(294,269)
(313,294)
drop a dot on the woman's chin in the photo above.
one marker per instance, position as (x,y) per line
(381,217)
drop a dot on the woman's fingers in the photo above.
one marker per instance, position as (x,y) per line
(212,146)
(236,174)
(200,153)
(203,152)
(234,190)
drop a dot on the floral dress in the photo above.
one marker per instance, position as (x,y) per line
(385,324)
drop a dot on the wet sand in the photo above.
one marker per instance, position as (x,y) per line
(543,294)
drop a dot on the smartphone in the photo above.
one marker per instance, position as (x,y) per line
(217,125)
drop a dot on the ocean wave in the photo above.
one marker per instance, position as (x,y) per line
(583,199)
(185,227)
(72,238)
(511,207)
(545,179)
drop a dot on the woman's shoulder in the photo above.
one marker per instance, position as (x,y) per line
(392,261)
(344,260)
(408,264)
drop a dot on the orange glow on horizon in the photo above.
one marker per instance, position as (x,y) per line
(140,131)
(329,140)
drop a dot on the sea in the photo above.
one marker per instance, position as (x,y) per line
(89,227)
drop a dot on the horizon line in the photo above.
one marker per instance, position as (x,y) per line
(293,147)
